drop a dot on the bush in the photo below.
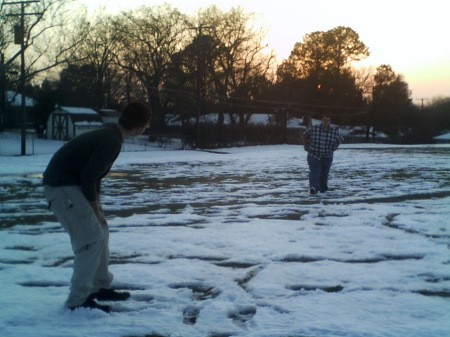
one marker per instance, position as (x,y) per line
(214,136)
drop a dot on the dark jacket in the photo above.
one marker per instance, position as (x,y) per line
(85,160)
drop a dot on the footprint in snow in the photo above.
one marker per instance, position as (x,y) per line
(241,315)
(190,314)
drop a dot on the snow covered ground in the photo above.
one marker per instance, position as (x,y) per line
(234,236)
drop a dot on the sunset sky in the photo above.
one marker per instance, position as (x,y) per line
(412,37)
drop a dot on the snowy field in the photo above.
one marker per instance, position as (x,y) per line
(234,237)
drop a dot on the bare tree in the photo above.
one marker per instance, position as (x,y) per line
(364,80)
(99,49)
(241,62)
(40,28)
(49,34)
(149,37)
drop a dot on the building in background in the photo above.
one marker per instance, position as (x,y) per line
(67,122)
(12,115)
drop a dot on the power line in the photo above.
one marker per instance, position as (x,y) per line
(245,101)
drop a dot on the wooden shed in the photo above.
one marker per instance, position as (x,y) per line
(67,122)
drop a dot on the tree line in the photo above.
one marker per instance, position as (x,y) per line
(185,67)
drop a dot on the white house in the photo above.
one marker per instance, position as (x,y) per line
(15,99)
(67,122)
(109,115)
(443,139)
(12,115)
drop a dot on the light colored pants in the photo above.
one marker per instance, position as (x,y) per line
(89,241)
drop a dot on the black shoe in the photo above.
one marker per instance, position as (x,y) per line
(91,304)
(312,190)
(110,295)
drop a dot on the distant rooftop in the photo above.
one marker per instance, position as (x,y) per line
(15,99)
(78,111)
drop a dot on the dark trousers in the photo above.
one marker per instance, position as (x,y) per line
(318,172)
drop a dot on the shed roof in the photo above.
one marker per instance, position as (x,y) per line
(109,112)
(78,114)
(445,136)
(78,110)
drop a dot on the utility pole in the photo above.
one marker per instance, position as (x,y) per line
(2,90)
(421,99)
(200,75)
(19,38)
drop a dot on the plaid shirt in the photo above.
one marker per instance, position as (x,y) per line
(323,141)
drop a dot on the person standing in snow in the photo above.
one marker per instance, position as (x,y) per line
(321,142)
(72,188)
